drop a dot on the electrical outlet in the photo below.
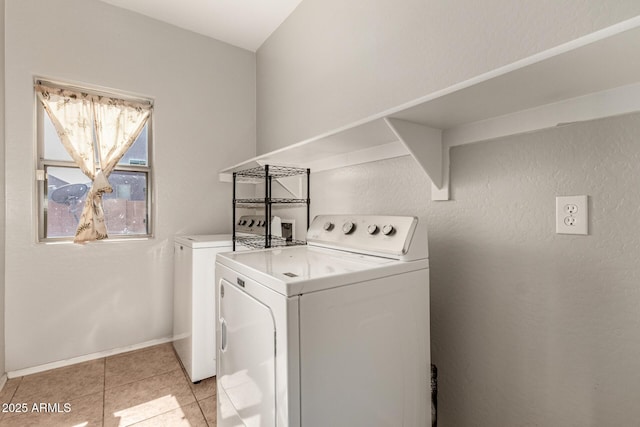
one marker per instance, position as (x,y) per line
(571,209)
(572,215)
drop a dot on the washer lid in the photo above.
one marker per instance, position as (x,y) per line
(297,270)
(205,240)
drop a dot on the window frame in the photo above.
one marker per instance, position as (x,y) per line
(42,164)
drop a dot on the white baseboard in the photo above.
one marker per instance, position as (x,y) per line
(85,358)
(3,381)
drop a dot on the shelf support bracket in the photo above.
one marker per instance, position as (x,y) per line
(442,193)
(425,146)
(291,184)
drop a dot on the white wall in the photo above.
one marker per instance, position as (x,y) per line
(528,327)
(64,301)
(2,197)
(333,62)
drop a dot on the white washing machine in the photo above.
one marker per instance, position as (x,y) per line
(194,295)
(194,301)
(335,333)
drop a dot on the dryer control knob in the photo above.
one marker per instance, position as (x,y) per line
(348,227)
(328,226)
(251,223)
(388,229)
(372,229)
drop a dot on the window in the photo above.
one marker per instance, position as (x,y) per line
(64,188)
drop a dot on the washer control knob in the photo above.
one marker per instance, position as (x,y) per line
(328,226)
(388,229)
(251,223)
(240,222)
(244,222)
(372,229)
(348,227)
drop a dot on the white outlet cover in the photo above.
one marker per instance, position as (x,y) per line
(572,210)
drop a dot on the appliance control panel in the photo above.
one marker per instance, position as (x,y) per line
(256,224)
(383,235)
(251,224)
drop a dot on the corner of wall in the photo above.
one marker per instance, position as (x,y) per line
(2,194)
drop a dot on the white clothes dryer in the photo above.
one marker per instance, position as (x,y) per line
(334,333)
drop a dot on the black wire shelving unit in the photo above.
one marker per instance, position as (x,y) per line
(257,175)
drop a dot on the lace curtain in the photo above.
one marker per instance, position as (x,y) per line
(116,123)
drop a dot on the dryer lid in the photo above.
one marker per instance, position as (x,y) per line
(205,240)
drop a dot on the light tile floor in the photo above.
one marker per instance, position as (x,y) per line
(146,387)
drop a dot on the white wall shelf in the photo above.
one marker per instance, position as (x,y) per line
(592,77)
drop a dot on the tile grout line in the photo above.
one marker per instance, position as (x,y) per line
(16,390)
(133,382)
(4,415)
(36,394)
(22,415)
(152,376)
(202,412)
(195,399)
(186,375)
(154,416)
(193,392)
(141,379)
